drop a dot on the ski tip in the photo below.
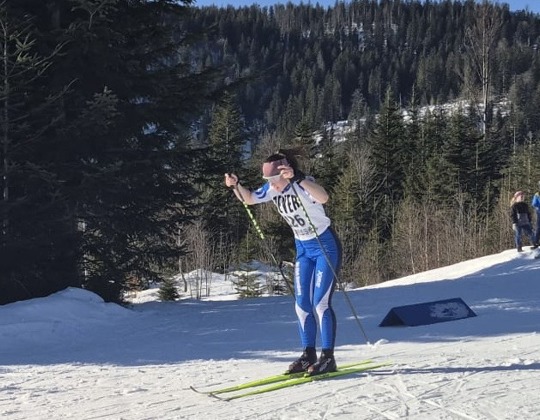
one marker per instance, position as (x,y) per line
(219,397)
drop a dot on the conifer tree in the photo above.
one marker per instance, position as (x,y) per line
(168,291)
(303,136)
(390,161)
(248,286)
(38,242)
(432,139)
(415,154)
(119,153)
(221,210)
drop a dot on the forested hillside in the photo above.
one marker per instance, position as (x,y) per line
(330,64)
(119,119)
(441,99)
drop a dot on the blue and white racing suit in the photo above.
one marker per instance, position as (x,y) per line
(315,267)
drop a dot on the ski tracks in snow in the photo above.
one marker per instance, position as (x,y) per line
(461,380)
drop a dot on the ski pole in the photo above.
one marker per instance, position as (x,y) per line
(263,239)
(347,298)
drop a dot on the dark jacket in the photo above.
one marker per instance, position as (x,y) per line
(520,213)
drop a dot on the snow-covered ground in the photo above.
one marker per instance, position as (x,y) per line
(72,356)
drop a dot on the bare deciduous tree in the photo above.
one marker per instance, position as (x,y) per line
(200,257)
(480,41)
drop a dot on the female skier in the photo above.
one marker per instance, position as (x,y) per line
(299,200)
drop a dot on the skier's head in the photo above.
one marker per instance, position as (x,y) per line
(283,157)
(271,168)
(271,171)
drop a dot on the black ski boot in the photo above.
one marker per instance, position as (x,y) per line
(308,357)
(325,364)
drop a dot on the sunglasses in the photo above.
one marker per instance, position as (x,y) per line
(274,178)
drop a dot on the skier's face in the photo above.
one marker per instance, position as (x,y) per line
(277,182)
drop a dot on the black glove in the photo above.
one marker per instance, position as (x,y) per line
(298,177)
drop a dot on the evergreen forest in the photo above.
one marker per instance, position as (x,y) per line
(119,118)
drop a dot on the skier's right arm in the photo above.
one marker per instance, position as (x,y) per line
(241,192)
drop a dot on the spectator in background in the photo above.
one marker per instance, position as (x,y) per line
(521,220)
(536,206)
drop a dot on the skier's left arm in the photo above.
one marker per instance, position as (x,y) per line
(316,191)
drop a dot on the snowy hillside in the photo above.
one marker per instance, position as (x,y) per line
(72,356)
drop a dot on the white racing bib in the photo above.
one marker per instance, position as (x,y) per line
(290,207)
